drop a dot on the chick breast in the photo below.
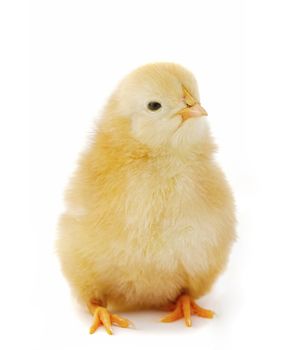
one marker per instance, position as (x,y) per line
(147,230)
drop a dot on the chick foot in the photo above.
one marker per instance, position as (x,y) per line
(185,307)
(101,316)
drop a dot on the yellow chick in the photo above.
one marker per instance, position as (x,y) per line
(150,218)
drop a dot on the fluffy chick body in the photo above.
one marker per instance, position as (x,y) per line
(146,221)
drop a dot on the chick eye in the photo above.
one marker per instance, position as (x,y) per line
(154,106)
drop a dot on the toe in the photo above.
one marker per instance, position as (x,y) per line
(199,311)
(186,308)
(120,321)
(174,315)
(96,324)
(105,319)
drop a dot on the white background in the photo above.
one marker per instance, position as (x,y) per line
(59,62)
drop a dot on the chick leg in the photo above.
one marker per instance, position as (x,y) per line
(185,306)
(101,316)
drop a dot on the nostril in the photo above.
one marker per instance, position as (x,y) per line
(186,102)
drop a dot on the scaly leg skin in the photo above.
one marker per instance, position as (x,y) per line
(101,316)
(185,306)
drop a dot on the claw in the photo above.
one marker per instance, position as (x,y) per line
(184,307)
(103,317)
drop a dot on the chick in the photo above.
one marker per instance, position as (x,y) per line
(150,217)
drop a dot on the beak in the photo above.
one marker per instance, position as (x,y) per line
(195,111)
(194,108)
(188,98)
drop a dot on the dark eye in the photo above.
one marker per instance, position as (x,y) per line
(154,106)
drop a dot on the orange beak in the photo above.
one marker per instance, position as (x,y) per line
(193,109)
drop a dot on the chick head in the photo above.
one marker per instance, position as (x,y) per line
(163,102)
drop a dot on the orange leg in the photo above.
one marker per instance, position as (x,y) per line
(185,306)
(103,317)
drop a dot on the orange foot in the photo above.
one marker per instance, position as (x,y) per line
(103,317)
(185,306)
